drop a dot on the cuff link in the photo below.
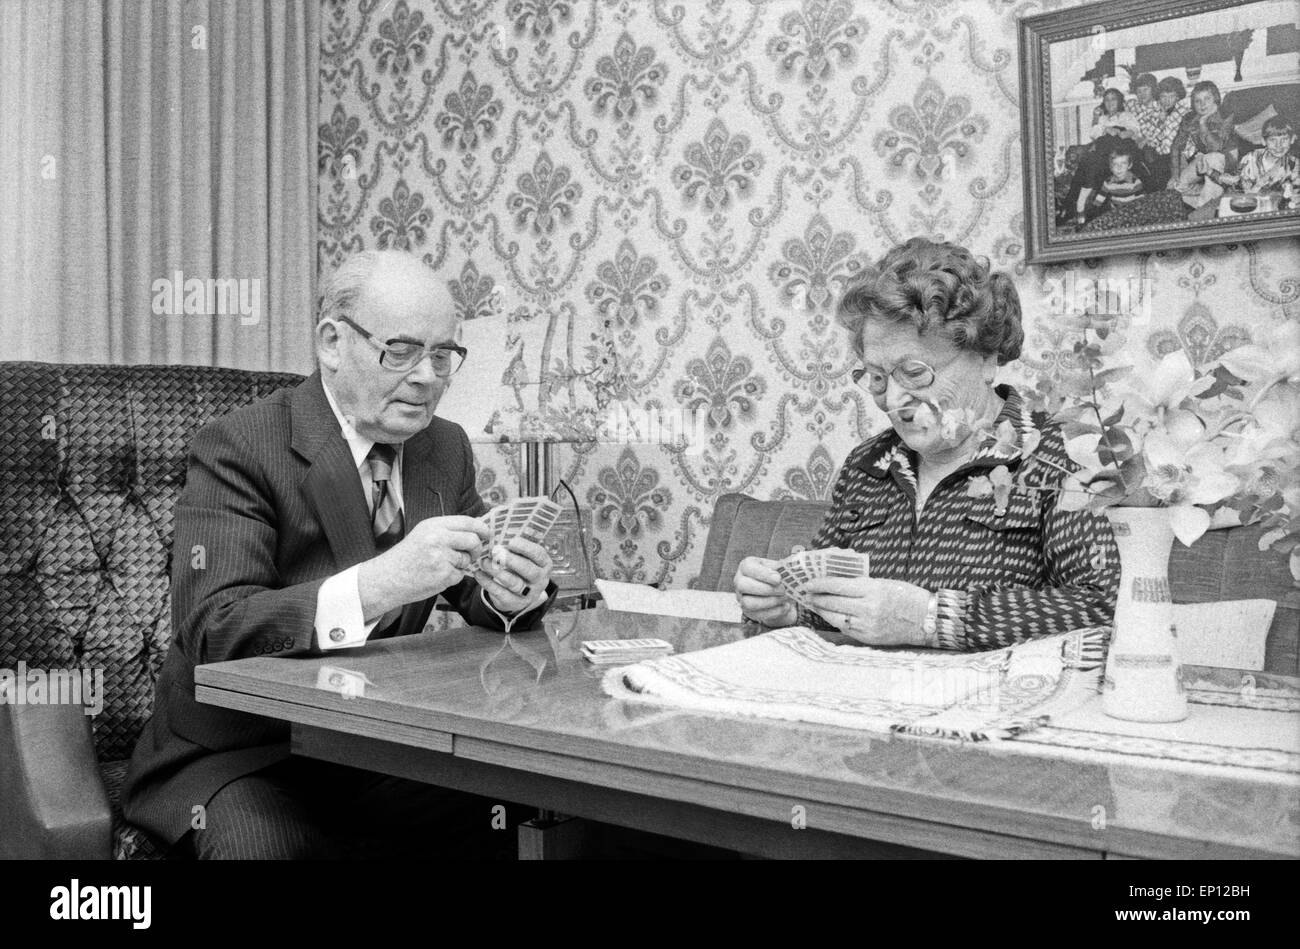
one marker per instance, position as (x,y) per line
(337,635)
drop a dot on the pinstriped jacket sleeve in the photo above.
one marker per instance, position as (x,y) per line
(227,597)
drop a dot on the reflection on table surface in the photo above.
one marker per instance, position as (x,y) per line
(533,689)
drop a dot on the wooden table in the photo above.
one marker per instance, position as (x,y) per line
(526,721)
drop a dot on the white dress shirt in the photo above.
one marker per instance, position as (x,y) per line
(338,603)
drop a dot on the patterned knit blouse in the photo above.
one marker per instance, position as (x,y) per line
(1002,576)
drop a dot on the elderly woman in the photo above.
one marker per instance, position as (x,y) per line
(948,569)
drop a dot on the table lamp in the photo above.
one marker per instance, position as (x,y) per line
(498,399)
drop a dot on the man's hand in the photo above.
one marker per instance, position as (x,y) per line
(761,596)
(874,612)
(436,554)
(516,578)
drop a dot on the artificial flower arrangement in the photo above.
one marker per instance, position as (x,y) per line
(1219,448)
(552,422)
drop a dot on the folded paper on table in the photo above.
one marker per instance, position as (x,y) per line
(796,675)
(689,604)
(1229,634)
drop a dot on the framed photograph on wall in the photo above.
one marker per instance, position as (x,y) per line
(1150,124)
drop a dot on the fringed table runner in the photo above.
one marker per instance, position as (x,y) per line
(796,675)
(1249,732)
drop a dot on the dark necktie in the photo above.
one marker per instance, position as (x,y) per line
(386,518)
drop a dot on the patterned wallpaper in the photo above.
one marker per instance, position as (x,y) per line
(657,204)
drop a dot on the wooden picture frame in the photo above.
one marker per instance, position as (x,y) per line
(1085,193)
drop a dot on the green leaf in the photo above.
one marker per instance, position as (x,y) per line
(1287,544)
(1109,489)
(1273,503)
(1107,376)
(1267,539)
(1115,447)
(1133,471)
(1224,381)
(1075,429)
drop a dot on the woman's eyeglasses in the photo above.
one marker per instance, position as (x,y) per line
(910,374)
(402,356)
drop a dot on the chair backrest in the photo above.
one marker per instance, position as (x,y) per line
(744,526)
(93,460)
(1228,565)
(1222,565)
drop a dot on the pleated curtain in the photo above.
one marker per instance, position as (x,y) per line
(147,139)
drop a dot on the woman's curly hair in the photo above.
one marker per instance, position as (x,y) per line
(937,286)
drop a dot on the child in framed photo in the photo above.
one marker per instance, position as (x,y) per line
(1271,169)
(1122,186)
(1114,129)
(1202,180)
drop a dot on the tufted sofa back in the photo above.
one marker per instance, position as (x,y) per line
(92,459)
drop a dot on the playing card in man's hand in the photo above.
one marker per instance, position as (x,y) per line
(530,518)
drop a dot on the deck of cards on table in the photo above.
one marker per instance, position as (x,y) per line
(799,568)
(610,652)
(529,518)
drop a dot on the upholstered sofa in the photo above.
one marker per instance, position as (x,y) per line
(92,459)
(1222,565)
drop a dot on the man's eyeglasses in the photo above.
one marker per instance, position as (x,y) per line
(399,355)
(911,374)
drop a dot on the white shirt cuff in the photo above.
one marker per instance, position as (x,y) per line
(339,620)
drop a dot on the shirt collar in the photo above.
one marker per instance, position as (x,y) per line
(358,444)
(889,451)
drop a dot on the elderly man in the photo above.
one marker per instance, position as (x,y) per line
(318,519)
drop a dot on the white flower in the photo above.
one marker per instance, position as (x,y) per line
(1186,473)
(1271,436)
(1166,387)
(1082,450)
(1277,357)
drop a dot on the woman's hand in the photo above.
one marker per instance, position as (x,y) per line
(874,612)
(761,596)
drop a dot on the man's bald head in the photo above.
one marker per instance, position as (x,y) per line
(391,295)
(375,270)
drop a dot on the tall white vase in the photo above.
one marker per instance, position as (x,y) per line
(1143,675)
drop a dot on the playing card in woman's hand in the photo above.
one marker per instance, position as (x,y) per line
(799,568)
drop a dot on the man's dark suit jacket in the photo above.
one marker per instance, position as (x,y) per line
(272,506)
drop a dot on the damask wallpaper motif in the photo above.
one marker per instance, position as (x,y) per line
(659,203)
